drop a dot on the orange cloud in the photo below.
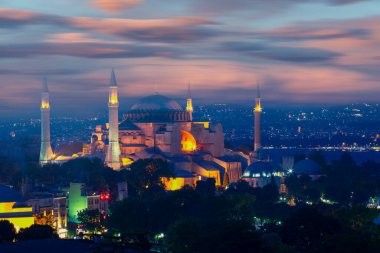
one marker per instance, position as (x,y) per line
(78,38)
(115,5)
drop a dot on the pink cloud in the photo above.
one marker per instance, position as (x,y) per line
(115,5)
(78,38)
(17,15)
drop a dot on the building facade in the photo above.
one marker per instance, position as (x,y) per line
(80,198)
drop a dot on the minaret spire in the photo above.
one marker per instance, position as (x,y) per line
(113,149)
(113,79)
(189,103)
(46,152)
(188,90)
(258,90)
(45,85)
(257,112)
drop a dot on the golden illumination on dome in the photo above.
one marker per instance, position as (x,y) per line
(188,142)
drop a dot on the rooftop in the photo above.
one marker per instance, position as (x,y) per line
(156,103)
(8,194)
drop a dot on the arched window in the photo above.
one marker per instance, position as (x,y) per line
(188,142)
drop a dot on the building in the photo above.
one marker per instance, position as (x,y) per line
(122,191)
(155,127)
(113,148)
(81,198)
(257,112)
(158,127)
(261,173)
(14,208)
(307,167)
(52,203)
(46,152)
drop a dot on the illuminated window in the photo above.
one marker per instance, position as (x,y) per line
(188,142)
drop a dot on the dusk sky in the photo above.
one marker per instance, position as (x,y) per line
(303,52)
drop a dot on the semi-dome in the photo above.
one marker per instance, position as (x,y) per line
(156,102)
(307,167)
(262,169)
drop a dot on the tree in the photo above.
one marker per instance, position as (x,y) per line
(349,242)
(319,158)
(35,232)
(44,219)
(147,173)
(269,194)
(90,219)
(129,216)
(194,236)
(307,228)
(229,236)
(184,236)
(206,187)
(7,231)
(348,183)
(239,187)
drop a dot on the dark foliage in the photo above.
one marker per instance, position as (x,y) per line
(228,236)
(35,232)
(7,231)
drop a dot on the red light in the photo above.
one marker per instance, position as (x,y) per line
(105,196)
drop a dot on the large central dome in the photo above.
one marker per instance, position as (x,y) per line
(156,103)
(156,108)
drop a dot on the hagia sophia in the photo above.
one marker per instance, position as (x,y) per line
(159,127)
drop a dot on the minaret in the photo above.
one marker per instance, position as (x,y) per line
(46,153)
(113,150)
(257,112)
(189,103)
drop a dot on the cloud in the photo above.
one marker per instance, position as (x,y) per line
(280,53)
(13,17)
(74,38)
(171,30)
(85,50)
(179,29)
(257,7)
(356,41)
(40,72)
(115,5)
(306,32)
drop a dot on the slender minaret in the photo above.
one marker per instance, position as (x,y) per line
(46,153)
(189,103)
(257,111)
(113,150)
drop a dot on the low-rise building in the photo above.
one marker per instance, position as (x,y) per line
(52,203)
(81,198)
(14,208)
